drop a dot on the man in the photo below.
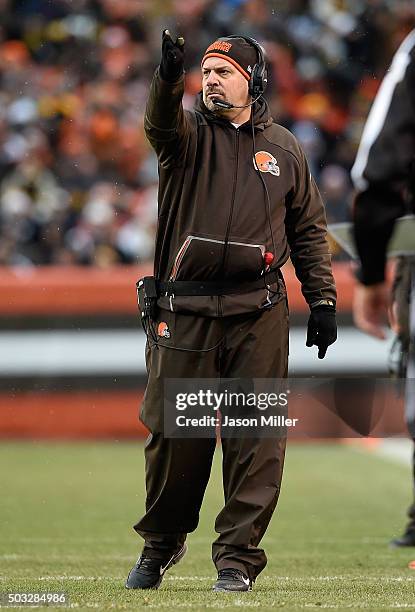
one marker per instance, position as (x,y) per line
(383,175)
(235,197)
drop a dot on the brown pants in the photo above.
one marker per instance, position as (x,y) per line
(178,470)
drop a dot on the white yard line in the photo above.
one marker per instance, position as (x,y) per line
(327,578)
(397,450)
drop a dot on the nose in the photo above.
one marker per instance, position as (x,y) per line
(212,78)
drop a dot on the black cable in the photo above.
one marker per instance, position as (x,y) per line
(149,331)
(180,348)
(268,203)
(152,336)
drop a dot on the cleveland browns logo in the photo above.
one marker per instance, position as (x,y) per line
(265,162)
(163,330)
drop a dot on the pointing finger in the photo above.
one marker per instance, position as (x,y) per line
(322,351)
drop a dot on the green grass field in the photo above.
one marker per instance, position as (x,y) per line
(66,515)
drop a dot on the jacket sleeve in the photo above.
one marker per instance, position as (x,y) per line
(306,229)
(165,123)
(384,163)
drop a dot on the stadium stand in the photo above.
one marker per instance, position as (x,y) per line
(78,182)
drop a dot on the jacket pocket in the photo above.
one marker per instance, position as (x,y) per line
(201,258)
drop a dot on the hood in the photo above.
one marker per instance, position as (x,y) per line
(262,115)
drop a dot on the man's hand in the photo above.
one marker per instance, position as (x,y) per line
(172,57)
(322,328)
(370,308)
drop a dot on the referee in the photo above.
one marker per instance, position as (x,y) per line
(384,177)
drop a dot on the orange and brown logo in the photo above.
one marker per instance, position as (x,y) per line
(219,45)
(265,162)
(163,330)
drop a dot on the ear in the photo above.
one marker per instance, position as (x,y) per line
(245,87)
(248,93)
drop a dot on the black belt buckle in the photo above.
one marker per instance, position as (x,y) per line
(147,296)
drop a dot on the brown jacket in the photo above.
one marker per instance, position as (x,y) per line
(212,217)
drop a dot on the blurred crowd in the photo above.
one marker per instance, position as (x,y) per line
(78,181)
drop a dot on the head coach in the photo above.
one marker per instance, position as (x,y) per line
(236,200)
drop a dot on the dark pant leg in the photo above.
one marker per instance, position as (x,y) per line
(252,467)
(410,418)
(177,470)
(410,528)
(177,473)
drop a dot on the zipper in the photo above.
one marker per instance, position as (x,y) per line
(176,266)
(179,257)
(228,229)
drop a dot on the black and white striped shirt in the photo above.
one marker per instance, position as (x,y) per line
(384,163)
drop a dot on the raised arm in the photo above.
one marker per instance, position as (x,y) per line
(165,123)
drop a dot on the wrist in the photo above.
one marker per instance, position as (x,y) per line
(324,304)
(169,75)
(370,275)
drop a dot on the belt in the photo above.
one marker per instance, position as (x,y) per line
(212,288)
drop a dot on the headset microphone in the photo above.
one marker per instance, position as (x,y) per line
(228,105)
(222,104)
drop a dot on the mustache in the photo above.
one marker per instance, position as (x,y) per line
(214,91)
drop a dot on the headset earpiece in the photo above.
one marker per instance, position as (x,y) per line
(259,79)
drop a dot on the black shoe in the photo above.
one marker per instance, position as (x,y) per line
(407,539)
(148,573)
(230,579)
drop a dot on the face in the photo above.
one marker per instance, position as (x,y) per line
(220,79)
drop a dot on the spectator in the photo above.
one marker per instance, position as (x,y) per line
(77,177)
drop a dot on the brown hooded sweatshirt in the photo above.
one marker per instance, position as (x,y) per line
(213,219)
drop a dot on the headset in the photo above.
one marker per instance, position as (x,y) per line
(259,77)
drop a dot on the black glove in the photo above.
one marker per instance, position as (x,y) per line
(322,328)
(172,57)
